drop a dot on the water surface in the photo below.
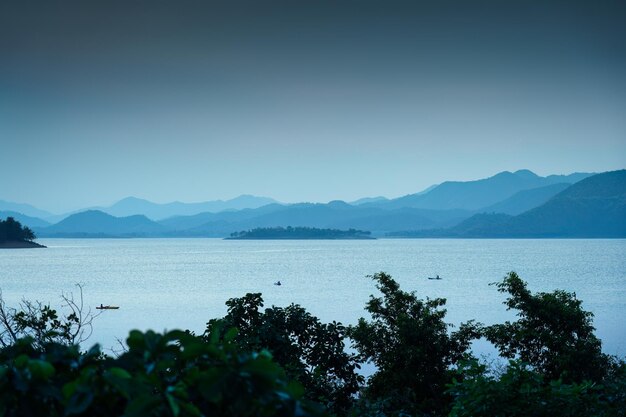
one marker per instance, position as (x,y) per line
(182,283)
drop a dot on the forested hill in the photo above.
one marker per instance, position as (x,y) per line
(14,235)
(300,233)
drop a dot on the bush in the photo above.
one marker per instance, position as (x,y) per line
(521,391)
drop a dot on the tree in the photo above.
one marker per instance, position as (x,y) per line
(553,334)
(311,352)
(12,230)
(28,234)
(42,324)
(408,341)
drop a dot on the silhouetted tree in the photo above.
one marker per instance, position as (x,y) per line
(553,333)
(408,341)
(11,229)
(311,352)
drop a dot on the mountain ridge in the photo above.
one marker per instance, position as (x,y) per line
(477,194)
(380,216)
(594,207)
(96,223)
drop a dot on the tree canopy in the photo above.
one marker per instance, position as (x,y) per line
(311,352)
(553,333)
(12,230)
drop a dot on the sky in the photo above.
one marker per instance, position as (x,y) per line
(302,101)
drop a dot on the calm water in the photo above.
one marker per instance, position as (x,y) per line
(182,283)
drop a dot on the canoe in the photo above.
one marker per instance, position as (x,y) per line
(107,307)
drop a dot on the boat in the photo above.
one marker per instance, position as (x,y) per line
(437,277)
(101,307)
(277,283)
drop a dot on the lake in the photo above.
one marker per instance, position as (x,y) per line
(182,283)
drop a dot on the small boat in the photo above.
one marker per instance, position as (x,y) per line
(277,283)
(437,277)
(102,307)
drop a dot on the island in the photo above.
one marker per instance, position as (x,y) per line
(299,233)
(15,236)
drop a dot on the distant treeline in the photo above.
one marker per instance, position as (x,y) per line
(12,230)
(300,233)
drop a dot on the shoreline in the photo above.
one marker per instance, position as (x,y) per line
(17,244)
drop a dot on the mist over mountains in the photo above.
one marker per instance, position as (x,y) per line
(508,204)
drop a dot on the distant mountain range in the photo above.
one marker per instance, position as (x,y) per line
(526,199)
(506,204)
(477,195)
(24,219)
(594,207)
(131,205)
(95,223)
(23,209)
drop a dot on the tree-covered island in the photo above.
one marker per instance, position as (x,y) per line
(300,233)
(14,235)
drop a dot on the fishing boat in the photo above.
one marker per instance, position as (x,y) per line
(102,307)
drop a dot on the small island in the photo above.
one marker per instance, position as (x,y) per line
(299,233)
(15,236)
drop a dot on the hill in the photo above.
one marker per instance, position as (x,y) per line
(479,194)
(24,219)
(94,223)
(592,208)
(131,205)
(24,209)
(526,199)
(368,200)
(334,215)
(15,236)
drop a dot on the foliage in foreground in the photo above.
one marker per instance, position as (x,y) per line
(556,366)
(174,374)
(520,392)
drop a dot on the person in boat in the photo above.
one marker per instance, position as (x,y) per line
(101,306)
(277,283)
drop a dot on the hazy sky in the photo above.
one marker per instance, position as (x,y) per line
(302,100)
